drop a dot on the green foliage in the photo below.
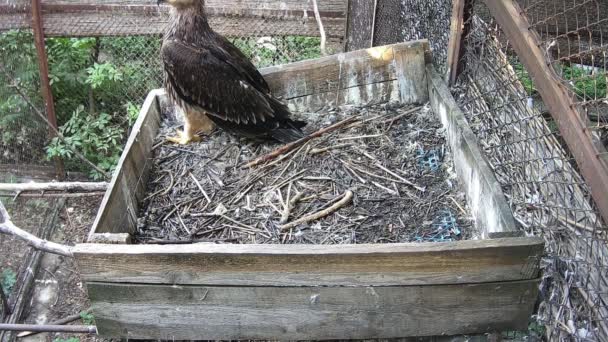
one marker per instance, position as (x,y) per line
(281,50)
(132,113)
(94,135)
(70,339)
(18,55)
(588,83)
(87,318)
(524,78)
(536,331)
(8,280)
(103,75)
(98,84)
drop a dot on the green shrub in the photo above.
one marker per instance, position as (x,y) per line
(8,280)
(94,135)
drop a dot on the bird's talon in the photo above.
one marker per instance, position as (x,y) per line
(182,139)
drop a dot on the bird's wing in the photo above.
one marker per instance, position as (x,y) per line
(204,78)
(226,51)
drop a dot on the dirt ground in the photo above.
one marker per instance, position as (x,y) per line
(58,290)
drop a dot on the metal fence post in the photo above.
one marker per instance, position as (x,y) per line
(45,83)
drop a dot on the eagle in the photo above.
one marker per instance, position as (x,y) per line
(215,84)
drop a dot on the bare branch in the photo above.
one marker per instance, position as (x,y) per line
(83,329)
(286,148)
(321,28)
(7,227)
(56,186)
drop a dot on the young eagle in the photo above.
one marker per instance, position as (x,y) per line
(215,84)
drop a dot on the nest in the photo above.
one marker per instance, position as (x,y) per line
(385,175)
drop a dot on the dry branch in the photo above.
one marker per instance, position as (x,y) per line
(62,321)
(58,186)
(321,28)
(83,329)
(286,148)
(7,227)
(348,196)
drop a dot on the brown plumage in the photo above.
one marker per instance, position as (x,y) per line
(215,84)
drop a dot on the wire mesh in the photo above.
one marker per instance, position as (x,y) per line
(99,82)
(406,20)
(23,135)
(573,34)
(540,179)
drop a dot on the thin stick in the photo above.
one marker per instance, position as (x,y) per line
(62,321)
(395,118)
(200,187)
(348,196)
(7,227)
(458,205)
(83,329)
(326,149)
(419,188)
(44,118)
(286,148)
(321,28)
(53,194)
(58,186)
(289,207)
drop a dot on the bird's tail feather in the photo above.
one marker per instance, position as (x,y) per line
(287,135)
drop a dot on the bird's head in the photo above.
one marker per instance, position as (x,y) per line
(183,4)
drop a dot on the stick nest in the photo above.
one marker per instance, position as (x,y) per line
(386,177)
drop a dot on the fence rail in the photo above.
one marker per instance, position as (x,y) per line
(87,19)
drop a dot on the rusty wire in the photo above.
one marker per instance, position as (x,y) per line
(540,178)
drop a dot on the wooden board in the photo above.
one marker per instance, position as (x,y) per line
(120,205)
(392,73)
(485,198)
(313,265)
(115,18)
(360,24)
(308,313)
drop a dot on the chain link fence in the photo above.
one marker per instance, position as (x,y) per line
(105,58)
(23,135)
(539,176)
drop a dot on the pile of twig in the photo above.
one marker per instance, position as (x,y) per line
(368,175)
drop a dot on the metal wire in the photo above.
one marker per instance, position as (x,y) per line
(540,178)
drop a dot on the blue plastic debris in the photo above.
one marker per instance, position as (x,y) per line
(446,229)
(429,159)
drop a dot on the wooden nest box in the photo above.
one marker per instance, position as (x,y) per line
(316,292)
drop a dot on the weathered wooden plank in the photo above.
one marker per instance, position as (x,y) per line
(313,265)
(484,194)
(454,44)
(120,206)
(228,18)
(308,313)
(402,62)
(360,24)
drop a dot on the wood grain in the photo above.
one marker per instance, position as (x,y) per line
(308,313)
(485,198)
(348,77)
(120,206)
(311,265)
(359,27)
